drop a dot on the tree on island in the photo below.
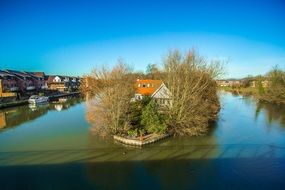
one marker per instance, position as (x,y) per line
(190,79)
(194,101)
(153,72)
(152,120)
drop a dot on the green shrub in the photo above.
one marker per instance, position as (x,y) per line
(135,112)
(152,121)
(133,132)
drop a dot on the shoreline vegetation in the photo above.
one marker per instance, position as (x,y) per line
(193,101)
(268,88)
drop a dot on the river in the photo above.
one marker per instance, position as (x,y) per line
(52,147)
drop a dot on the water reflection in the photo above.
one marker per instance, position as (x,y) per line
(273,113)
(58,107)
(12,117)
(35,107)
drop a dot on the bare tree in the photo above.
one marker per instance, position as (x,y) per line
(112,99)
(152,71)
(194,100)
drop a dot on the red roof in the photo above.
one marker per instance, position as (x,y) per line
(39,74)
(50,78)
(147,87)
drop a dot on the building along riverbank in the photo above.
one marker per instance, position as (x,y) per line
(14,103)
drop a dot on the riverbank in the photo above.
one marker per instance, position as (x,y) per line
(251,91)
(241,91)
(25,101)
(63,95)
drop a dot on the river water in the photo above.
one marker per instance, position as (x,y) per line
(52,147)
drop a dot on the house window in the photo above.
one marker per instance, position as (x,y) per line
(144,85)
(139,85)
(148,85)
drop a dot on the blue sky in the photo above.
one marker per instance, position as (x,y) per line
(72,37)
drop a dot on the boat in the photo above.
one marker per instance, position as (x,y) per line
(35,99)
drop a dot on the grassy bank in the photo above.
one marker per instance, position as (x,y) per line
(269,88)
(251,91)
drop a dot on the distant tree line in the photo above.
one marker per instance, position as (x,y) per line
(269,87)
(275,92)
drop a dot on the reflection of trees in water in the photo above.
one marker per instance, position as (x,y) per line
(272,112)
(248,100)
(18,115)
(95,115)
(12,117)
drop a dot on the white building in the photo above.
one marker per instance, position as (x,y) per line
(153,88)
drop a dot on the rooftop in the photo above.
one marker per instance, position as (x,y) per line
(147,87)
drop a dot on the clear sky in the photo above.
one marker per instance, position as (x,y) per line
(72,37)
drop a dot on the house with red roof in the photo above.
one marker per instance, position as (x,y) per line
(153,88)
(8,85)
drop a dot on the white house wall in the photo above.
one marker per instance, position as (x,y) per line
(161,93)
(56,79)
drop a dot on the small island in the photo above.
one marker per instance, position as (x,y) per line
(177,99)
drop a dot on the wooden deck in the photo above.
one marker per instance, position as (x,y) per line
(140,141)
